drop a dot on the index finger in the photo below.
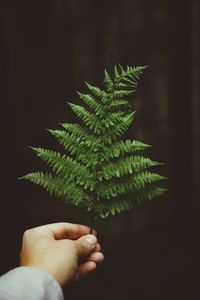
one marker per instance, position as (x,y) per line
(65,230)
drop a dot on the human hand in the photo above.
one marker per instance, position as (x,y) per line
(67,251)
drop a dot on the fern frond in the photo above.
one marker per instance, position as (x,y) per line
(148,194)
(125,166)
(66,167)
(119,104)
(118,205)
(107,80)
(80,148)
(68,141)
(60,188)
(101,94)
(114,207)
(89,119)
(76,130)
(99,171)
(118,123)
(122,148)
(132,184)
(129,77)
(82,134)
(121,94)
(90,101)
(142,179)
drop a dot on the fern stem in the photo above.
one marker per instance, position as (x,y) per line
(93,215)
(92,220)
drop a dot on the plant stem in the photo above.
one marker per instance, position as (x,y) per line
(96,197)
(93,215)
(92,220)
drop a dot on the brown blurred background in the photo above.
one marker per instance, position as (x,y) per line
(47,50)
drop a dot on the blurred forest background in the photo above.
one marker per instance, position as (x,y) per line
(47,50)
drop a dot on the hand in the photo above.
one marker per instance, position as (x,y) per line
(67,251)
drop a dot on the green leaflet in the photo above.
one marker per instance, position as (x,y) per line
(59,187)
(98,170)
(117,205)
(125,166)
(90,101)
(129,184)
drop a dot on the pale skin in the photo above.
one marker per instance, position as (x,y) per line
(67,251)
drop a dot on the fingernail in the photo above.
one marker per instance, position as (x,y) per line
(91,239)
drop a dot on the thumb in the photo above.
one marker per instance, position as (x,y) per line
(85,244)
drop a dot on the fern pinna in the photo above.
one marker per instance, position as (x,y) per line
(100,171)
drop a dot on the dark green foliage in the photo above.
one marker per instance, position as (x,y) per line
(100,171)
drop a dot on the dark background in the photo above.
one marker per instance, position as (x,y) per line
(48,49)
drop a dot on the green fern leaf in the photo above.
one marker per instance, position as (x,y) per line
(107,80)
(90,101)
(97,91)
(60,188)
(65,167)
(98,170)
(137,182)
(90,120)
(127,165)
(117,205)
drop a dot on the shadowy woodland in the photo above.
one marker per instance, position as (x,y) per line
(47,50)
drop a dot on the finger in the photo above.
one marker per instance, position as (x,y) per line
(96,257)
(65,230)
(84,269)
(85,245)
(97,248)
